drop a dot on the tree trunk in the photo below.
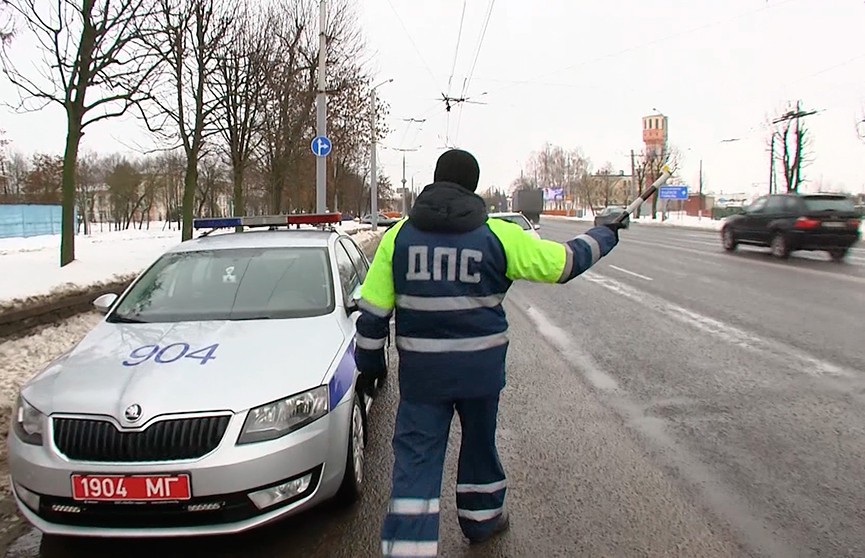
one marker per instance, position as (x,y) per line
(239,205)
(190,181)
(70,160)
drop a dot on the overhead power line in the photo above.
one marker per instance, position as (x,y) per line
(468,80)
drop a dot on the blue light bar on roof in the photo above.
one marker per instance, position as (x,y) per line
(217,222)
(267,220)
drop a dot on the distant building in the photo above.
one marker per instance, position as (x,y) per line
(655,133)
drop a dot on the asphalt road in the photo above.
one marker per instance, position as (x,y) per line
(673,401)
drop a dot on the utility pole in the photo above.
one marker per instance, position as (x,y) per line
(373,176)
(700,210)
(772,165)
(634,186)
(404,193)
(321,110)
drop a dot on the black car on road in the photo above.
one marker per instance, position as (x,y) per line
(609,214)
(789,222)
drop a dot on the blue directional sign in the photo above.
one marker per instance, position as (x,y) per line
(673,192)
(320,146)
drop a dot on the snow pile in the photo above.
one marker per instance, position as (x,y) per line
(682,220)
(31,265)
(21,358)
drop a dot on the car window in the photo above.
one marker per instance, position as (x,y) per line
(231,284)
(758,205)
(829,203)
(360,263)
(517,220)
(776,204)
(791,203)
(348,275)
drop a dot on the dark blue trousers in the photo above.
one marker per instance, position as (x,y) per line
(411,527)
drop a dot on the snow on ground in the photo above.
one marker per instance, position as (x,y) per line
(30,266)
(673,220)
(21,358)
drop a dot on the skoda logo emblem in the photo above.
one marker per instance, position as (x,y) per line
(133,412)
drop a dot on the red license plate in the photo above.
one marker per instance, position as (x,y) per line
(131,488)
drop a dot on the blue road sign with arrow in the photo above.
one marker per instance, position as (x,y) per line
(673,192)
(320,146)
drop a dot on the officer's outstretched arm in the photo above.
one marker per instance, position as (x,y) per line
(376,306)
(547,261)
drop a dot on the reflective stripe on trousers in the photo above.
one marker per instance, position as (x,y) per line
(411,527)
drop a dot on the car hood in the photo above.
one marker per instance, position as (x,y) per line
(255,362)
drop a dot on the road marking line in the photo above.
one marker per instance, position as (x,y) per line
(560,339)
(630,272)
(723,499)
(808,363)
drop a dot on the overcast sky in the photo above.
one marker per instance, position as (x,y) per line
(581,74)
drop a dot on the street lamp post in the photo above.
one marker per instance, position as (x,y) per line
(373,176)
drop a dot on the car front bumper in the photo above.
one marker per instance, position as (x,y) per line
(221,484)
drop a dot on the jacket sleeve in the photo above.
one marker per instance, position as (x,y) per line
(376,306)
(546,261)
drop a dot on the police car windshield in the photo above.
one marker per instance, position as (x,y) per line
(232,284)
(515,219)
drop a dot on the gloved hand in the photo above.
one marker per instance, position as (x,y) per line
(373,369)
(615,228)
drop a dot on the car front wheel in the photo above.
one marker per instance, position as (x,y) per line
(351,488)
(728,239)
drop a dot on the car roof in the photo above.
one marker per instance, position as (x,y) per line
(280,238)
(507,214)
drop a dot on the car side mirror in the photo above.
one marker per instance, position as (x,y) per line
(104,303)
(536,226)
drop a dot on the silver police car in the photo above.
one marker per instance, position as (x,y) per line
(218,394)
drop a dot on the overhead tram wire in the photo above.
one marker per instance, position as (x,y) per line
(413,44)
(486,25)
(467,80)
(454,67)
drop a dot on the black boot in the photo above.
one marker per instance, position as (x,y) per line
(502,525)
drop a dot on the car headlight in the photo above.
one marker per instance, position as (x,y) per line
(282,417)
(28,422)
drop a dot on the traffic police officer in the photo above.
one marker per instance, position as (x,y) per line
(445,270)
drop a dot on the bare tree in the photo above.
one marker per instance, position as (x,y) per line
(239,89)
(88,47)
(185,37)
(791,145)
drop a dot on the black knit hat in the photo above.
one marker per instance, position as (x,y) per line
(460,167)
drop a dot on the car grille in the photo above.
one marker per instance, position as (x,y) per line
(167,440)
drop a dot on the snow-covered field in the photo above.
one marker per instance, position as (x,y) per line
(29,267)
